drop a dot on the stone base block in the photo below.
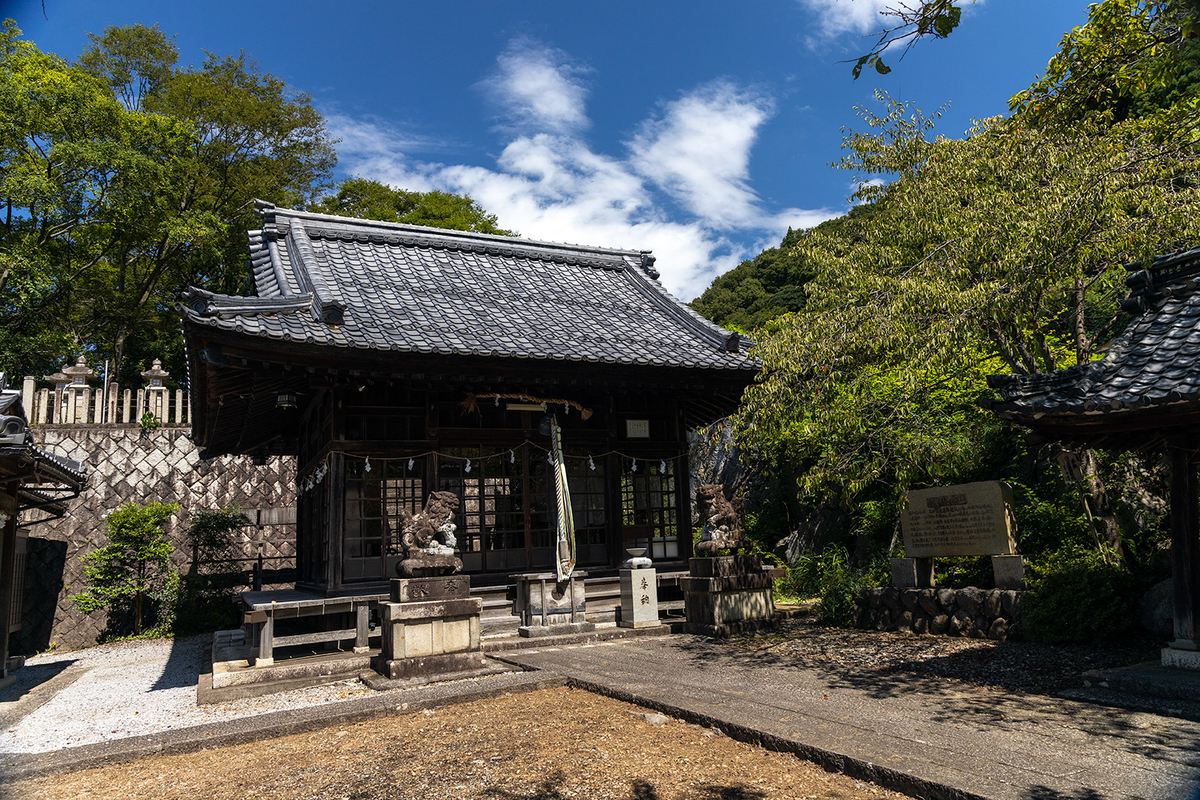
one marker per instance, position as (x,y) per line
(623,623)
(240,673)
(423,669)
(731,583)
(556,629)
(724,566)
(417,630)
(427,565)
(420,590)
(728,607)
(912,573)
(1009,572)
(1181,659)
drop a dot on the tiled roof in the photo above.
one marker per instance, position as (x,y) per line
(36,464)
(1155,362)
(360,284)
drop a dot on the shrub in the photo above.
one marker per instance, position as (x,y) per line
(1078,596)
(830,576)
(136,562)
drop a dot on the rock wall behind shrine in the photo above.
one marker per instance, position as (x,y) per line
(126,463)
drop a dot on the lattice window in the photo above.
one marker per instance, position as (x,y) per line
(375,502)
(648,499)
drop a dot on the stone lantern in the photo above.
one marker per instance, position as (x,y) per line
(72,392)
(156,390)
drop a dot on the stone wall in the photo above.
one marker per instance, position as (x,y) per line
(128,464)
(977,613)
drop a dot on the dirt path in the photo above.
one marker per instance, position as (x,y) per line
(552,744)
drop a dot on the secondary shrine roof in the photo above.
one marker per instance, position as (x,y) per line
(359,284)
(1149,374)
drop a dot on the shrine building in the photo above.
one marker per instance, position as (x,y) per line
(394,361)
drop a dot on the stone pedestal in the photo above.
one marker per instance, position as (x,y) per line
(1180,658)
(912,573)
(639,598)
(726,595)
(550,608)
(430,629)
(1009,572)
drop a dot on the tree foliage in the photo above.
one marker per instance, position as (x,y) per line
(1134,59)
(908,23)
(136,561)
(370,199)
(125,178)
(1002,251)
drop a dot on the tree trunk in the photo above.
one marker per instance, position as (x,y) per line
(119,352)
(1079,467)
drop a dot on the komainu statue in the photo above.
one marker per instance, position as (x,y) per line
(722,521)
(428,538)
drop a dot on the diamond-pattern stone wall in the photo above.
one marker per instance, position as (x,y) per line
(126,463)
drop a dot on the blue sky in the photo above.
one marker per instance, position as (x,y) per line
(699,130)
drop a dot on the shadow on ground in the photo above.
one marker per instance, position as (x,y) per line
(31,676)
(999,698)
(183,664)
(551,789)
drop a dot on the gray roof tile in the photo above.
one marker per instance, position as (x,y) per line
(428,290)
(1152,362)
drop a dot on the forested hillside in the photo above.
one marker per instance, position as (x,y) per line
(772,283)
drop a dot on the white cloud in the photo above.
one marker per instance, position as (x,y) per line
(849,16)
(549,183)
(699,152)
(861,17)
(538,88)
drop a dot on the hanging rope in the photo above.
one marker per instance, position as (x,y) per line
(565,527)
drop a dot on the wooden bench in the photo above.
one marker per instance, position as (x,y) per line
(264,608)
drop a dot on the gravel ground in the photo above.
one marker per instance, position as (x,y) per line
(132,689)
(550,745)
(142,687)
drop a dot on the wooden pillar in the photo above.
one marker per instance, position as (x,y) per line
(266,642)
(8,565)
(1185,541)
(361,627)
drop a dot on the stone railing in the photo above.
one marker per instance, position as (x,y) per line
(72,401)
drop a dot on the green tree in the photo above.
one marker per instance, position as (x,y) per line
(70,154)
(1000,252)
(772,283)
(126,179)
(1134,59)
(135,562)
(369,199)
(252,138)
